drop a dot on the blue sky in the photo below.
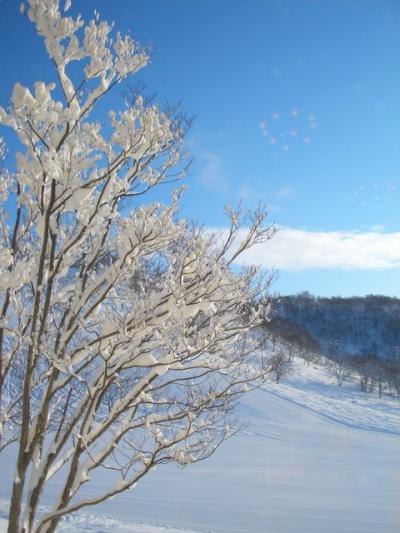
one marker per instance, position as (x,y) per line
(297,105)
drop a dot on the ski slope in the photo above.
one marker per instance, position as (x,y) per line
(314,458)
(314,387)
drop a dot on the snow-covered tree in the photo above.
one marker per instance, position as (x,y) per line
(124,333)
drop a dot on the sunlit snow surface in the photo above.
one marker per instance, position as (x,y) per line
(315,458)
(86,523)
(314,387)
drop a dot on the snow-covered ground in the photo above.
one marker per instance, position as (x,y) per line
(315,458)
(315,387)
(86,523)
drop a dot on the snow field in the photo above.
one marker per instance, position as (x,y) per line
(314,458)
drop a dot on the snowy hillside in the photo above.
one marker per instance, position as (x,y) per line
(313,386)
(314,458)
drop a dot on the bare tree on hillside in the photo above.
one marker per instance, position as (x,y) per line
(279,366)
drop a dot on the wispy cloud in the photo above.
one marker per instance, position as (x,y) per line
(245,192)
(211,174)
(284,192)
(298,249)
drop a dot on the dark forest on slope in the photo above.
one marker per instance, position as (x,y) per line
(357,326)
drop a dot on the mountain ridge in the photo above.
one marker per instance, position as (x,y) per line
(355,326)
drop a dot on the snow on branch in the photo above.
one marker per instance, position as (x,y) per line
(125,336)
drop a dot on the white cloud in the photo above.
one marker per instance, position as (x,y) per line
(298,249)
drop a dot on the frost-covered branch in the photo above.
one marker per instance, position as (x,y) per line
(125,335)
